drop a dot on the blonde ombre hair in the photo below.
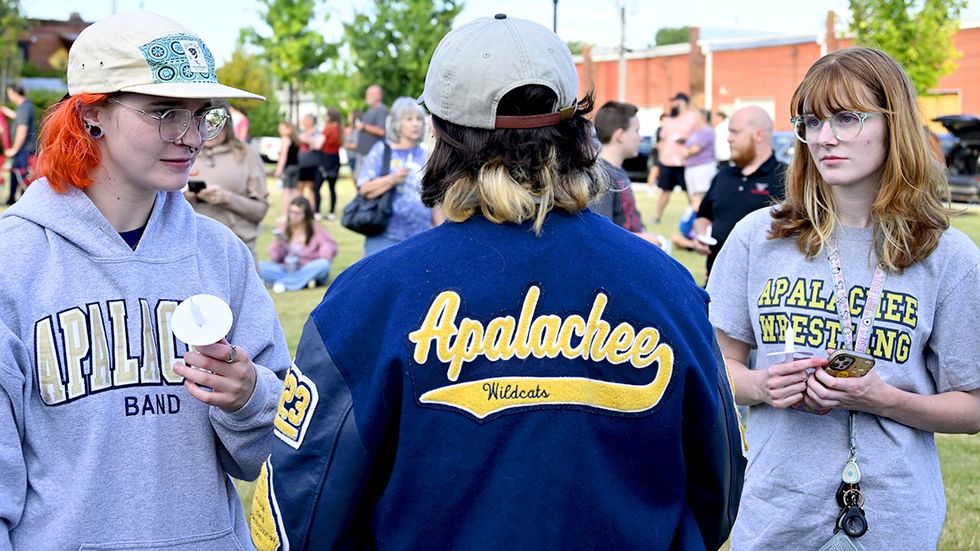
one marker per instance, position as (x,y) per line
(909,213)
(512,176)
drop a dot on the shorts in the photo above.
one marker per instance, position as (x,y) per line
(698,178)
(671,177)
(290,176)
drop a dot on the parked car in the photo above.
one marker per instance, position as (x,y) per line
(961,158)
(267,147)
(639,167)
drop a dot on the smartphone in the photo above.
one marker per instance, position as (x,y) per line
(195,186)
(845,363)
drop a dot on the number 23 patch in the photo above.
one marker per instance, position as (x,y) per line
(296,406)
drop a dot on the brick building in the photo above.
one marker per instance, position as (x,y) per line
(46,42)
(726,74)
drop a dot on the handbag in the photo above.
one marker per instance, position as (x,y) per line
(370,217)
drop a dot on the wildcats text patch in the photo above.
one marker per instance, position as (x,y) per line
(457,343)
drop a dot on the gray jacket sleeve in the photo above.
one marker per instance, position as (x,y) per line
(246,435)
(13,468)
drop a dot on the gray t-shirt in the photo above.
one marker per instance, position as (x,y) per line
(921,344)
(25,116)
(375,116)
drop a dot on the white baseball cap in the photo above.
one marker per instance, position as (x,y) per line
(144,53)
(475,65)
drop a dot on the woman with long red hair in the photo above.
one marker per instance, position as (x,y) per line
(112,431)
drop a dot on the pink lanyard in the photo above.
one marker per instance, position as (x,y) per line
(843,305)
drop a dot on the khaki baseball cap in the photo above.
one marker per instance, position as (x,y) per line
(475,65)
(144,53)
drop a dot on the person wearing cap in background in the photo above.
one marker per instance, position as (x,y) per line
(107,439)
(504,380)
(674,131)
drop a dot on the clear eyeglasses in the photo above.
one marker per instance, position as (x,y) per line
(174,123)
(846,125)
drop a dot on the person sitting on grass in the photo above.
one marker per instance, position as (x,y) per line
(301,251)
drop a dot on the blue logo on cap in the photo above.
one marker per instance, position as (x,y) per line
(179,58)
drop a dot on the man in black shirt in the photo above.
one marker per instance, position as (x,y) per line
(753,180)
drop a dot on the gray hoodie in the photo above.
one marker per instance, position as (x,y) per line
(101,446)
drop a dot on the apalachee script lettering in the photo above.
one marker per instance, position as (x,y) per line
(545,336)
(456,343)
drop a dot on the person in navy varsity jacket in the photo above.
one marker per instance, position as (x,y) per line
(505,380)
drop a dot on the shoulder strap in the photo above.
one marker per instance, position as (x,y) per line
(386,160)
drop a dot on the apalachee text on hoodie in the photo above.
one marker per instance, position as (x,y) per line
(79,354)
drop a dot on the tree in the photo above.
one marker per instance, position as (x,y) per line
(12,24)
(672,35)
(577,46)
(391,45)
(293,50)
(250,72)
(922,42)
(335,87)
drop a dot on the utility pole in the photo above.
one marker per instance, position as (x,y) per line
(554,18)
(622,50)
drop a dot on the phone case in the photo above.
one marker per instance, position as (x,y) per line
(845,363)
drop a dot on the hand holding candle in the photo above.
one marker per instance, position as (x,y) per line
(789,358)
(707,239)
(215,371)
(783,383)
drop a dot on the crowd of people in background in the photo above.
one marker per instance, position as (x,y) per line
(513,233)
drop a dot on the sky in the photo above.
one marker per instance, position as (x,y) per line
(591,21)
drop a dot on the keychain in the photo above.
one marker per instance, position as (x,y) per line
(851,519)
(851,473)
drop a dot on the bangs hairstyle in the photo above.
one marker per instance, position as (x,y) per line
(908,213)
(68,153)
(511,175)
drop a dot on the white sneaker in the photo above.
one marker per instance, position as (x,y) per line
(278,288)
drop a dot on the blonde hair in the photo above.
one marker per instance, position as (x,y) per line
(908,212)
(501,196)
(512,176)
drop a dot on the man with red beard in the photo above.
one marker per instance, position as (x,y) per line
(751,181)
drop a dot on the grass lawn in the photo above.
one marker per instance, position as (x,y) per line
(958,453)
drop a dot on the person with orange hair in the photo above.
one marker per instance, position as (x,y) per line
(860,262)
(113,433)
